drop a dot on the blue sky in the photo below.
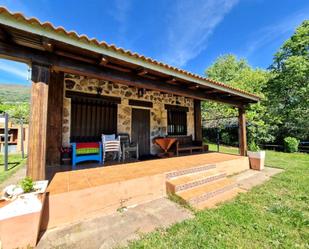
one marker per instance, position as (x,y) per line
(186,34)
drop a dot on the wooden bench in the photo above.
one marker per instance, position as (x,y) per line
(186,143)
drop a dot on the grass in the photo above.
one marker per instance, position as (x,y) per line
(15,163)
(223,149)
(274,215)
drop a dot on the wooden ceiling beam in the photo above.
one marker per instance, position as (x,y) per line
(103,61)
(172,81)
(141,71)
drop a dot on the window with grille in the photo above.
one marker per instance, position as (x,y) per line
(176,122)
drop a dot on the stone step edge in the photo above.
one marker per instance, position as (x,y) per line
(214,201)
(206,196)
(192,170)
(197,182)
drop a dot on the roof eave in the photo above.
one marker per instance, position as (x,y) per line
(36,28)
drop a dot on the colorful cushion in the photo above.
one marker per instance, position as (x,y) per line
(85,151)
(87,145)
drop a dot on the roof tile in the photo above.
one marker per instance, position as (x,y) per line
(85,38)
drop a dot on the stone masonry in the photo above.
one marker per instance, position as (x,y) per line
(158,122)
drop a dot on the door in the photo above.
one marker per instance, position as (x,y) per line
(141,130)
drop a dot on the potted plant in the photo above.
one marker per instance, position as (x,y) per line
(256,157)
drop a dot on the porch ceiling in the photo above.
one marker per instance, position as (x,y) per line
(31,41)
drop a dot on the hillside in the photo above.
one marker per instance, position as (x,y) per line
(14,93)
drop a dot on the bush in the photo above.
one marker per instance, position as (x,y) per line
(291,144)
(253,147)
(225,137)
(27,184)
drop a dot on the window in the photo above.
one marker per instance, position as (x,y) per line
(176,122)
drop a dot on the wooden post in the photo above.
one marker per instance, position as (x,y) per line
(242,131)
(198,135)
(38,122)
(54,118)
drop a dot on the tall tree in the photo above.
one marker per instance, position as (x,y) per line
(238,73)
(288,90)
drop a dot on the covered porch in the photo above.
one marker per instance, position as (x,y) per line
(82,88)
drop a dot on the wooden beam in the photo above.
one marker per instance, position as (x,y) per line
(47,45)
(198,135)
(242,131)
(172,81)
(142,72)
(54,119)
(70,65)
(195,86)
(140,103)
(74,56)
(103,61)
(38,122)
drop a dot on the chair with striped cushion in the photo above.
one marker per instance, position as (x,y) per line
(86,152)
(111,144)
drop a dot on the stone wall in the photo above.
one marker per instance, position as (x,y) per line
(158,122)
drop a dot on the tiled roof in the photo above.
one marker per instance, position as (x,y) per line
(84,38)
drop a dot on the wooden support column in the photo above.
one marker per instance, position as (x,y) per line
(242,131)
(38,122)
(54,118)
(198,136)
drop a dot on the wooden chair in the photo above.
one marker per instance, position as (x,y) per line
(111,144)
(82,152)
(128,146)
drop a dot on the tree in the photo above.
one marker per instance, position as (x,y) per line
(238,73)
(288,89)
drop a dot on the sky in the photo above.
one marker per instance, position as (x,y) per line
(189,34)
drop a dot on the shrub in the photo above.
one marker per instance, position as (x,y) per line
(291,144)
(253,146)
(225,137)
(27,184)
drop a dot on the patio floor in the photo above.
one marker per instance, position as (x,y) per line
(92,177)
(86,193)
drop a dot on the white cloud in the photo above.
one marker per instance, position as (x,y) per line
(16,69)
(271,33)
(191,24)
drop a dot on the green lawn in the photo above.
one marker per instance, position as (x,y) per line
(274,215)
(15,163)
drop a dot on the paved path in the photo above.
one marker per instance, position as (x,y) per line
(117,229)
(250,178)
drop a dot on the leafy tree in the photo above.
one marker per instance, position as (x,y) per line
(288,89)
(238,73)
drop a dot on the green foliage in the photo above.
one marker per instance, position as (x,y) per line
(238,73)
(288,90)
(27,184)
(272,215)
(14,99)
(253,146)
(18,113)
(291,144)
(14,93)
(225,137)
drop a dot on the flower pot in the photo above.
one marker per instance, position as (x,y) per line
(256,159)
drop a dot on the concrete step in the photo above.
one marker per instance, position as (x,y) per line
(200,168)
(207,191)
(188,181)
(220,198)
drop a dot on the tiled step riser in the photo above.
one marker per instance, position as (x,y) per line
(174,174)
(209,195)
(199,182)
